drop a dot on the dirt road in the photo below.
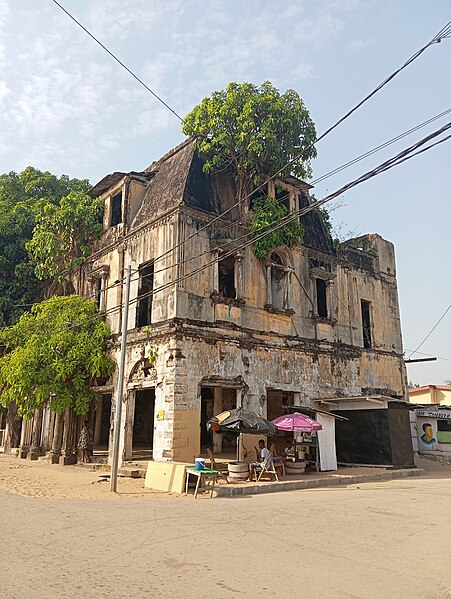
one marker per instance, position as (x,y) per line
(390,539)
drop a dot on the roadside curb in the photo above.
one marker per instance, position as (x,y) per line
(327,481)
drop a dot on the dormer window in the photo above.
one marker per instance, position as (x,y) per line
(116,209)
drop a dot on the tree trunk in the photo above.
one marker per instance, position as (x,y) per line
(13,428)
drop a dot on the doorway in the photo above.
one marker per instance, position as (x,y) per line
(215,400)
(143,422)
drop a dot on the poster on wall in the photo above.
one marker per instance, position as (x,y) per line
(427,438)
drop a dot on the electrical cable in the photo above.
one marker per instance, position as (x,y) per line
(431,331)
(388,164)
(119,61)
(442,34)
(377,148)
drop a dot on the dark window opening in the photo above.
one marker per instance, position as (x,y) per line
(226,269)
(366,324)
(258,193)
(145,294)
(444,431)
(283,197)
(116,209)
(321,298)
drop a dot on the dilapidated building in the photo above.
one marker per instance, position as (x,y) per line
(306,324)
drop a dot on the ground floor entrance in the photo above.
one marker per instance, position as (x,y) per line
(143,422)
(215,400)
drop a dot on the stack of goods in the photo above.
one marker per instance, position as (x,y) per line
(238,472)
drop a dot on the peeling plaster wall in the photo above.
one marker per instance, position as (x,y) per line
(244,344)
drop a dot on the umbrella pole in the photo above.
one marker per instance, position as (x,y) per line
(238,448)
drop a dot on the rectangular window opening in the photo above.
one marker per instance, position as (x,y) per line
(116,209)
(258,193)
(366,324)
(444,431)
(226,270)
(321,298)
(283,197)
(145,294)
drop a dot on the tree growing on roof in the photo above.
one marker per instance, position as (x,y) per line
(54,354)
(254,129)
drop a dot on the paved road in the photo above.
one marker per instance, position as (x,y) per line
(391,539)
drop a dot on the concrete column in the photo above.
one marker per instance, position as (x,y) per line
(57,439)
(217,409)
(216,272)
(268,285)
(128,419)
(98,421)
(35,449)
(69,444)
(25,438)
(239,398)
(239,274)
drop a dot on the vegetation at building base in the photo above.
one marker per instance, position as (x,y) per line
(23,196)
(255,131)
(267,213)
(53,356)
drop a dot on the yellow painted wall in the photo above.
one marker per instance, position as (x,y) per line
(430,395)
(186,440)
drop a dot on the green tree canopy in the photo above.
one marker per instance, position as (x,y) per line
(22,196)
(254,129)
(63,233)
(54,353)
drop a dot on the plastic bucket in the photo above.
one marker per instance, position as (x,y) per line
(199,463)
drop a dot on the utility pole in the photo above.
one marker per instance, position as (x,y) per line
(120,386)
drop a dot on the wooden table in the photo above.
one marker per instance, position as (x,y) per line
(206,473)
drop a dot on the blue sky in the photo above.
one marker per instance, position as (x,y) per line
(65,106)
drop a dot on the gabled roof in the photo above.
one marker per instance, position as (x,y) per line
(166,188)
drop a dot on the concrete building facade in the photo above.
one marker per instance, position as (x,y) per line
(305,324)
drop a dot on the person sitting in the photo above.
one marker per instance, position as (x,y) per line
(264,454)
(290,452)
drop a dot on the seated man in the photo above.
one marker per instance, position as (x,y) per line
(290,451)
(264,457)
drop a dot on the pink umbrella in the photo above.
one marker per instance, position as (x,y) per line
(297,422)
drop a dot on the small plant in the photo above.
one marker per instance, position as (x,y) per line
(267,213)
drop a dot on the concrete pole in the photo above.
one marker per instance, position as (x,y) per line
(120,389)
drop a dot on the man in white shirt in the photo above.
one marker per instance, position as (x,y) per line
(264,459)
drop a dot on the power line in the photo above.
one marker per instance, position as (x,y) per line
(445,32)
(431,331)
(379,147)
(118,61)
(388,164)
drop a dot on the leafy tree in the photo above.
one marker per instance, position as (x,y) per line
(62,235)
(267,213)
(54,353)
(255,130)
(22,196)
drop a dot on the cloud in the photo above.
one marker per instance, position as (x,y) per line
(359,44)
(67,102)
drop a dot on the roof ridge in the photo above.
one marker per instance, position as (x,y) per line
(169,154)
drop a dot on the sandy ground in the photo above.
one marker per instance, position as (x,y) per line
(366,541)
(41,479)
